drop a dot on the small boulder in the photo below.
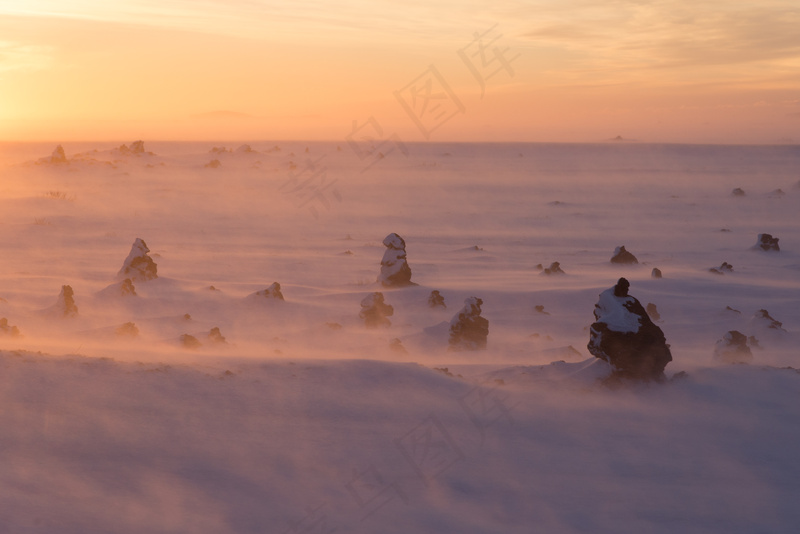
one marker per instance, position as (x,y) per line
(625,336)
(435,299)
(65,306)
(767,243)
(138,266)
(127,330)
(623,256)
(374,311)
(732,348)
(555,268)
(215,336)
(763,319)
(58,156)
(468,330)
(272,292)
(189,341)
(395,345)
(213,164)
(656,273)
(738,192)
(722,269)
(395,271)
(8,330)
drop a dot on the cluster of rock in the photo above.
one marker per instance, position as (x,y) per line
(733,348)
(374,311)
(624,336)
(435,299)
(136,148)
(767,243)
(468,330)
(7,329)
(57,157)
(555,268)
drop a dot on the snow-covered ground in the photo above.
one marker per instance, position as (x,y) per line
(135,416)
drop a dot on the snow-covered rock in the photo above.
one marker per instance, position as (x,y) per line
(435,299)
(138,266)
(468,330)
(732,348)
(738,192)
(8,330)
(395,271)
(656,273)
(623,256)
(375,311)
(763,320)
(625,336)
(767,243)
(722,269)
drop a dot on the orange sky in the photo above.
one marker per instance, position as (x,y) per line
(664,71)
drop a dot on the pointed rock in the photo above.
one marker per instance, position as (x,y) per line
(395,271)
(375,311)
(138,266)
(468,330)
(623,256)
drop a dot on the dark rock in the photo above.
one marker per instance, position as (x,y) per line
(767,243)
(738,192)
(66,302)
(190,342)
(468,330)
(764,319)
(435,299)
(272,292)
(652,311)
(623,256)
(555,268)
(540,309)
(127,288)
(625,336)
(722,269)
(396,345)
(395,271)
(138,266)
(8,330)
(127,330)
(215,336)
(732,348)
(375,311)
(655,273)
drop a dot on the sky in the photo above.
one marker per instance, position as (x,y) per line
(506,70)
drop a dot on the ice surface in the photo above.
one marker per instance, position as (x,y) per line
(110,424)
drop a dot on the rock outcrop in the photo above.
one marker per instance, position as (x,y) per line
(767,243)
(722,269)
(623,256)
(374,311)
(138,266)
(435,299)
(8,330)
(395,271)
(625,336)
(468,330)
(762,319)
(656,273)
(732,348)
(272,292)
(65,306)
(555,268)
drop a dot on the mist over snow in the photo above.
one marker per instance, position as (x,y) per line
(187,347)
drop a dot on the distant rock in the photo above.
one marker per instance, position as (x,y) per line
(652,311)
(213,164)
(244,149)
(395,345)
(189,341)
(540,309)
(777,193)
(58,155)
(215,336)
(623,256)
(136,148)
(732,348)
(8,330)
(555,268)
(272,292)
(138,266)
(395,271)
(738,192)
(219,150)
(435,299)
(767,243)
(375,311)
(722,269)
(625,336)
(762,319)
(655,273)
(65,306)
(468,330)
(127,330)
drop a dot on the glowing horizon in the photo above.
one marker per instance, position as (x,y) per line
(666,71)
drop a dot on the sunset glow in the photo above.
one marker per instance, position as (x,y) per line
(672,70)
